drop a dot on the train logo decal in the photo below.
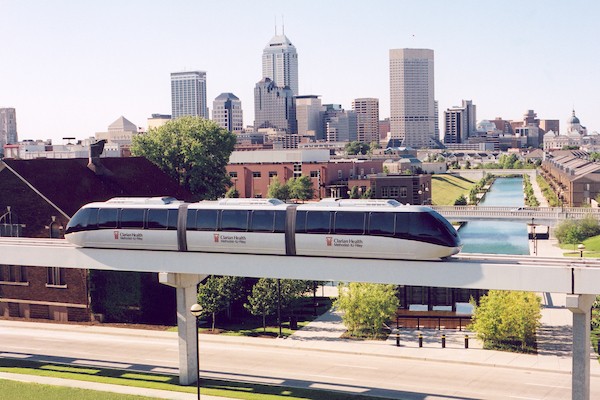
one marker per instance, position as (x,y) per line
(116,233)
(329,240)
(216,238)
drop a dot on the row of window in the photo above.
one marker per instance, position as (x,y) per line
(16,274)
(127,218)
(237,220)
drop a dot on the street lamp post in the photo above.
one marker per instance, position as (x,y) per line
(581,248)
(196,310)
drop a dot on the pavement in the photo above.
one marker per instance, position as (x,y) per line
(324,334)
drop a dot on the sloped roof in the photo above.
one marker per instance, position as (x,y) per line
(122,124)
(69,183)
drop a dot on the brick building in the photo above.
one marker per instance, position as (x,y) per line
(37,198)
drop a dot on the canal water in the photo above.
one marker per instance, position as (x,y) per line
(498,237)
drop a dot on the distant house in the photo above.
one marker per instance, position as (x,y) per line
(37,198)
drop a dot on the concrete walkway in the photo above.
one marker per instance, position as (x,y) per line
(537,191)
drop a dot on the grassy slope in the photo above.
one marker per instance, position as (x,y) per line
(34,391)
(592,248)
(447,188)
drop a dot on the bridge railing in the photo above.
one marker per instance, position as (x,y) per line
(553,213)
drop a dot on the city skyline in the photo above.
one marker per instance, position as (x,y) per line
(72,73)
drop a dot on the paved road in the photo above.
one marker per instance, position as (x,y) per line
(370,368)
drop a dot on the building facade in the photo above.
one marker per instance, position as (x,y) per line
(412,104)
(459,123)
(280,63)
(308,116)
(188,94)
(274,106)
(367,113)
(227,112)
(339,125)
(8,127)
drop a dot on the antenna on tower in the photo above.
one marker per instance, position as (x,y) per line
(282,25)
(276,25)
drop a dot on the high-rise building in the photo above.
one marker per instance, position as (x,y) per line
(308,116)
(339,125)
(227,112)
(367,113)
(8,127)
(459,122)
(188,94)
(280,62)
(274,106)
(412,105)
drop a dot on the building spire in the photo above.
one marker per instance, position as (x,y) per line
(282,25)
(276,25)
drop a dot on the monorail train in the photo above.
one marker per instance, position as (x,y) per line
(330,228)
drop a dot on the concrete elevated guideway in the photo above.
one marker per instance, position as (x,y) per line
(580,279)
(541,215)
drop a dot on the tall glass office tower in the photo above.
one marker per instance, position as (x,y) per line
(280,62)
(412,105)
(188,94)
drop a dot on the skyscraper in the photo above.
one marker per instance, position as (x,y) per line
(412,105)
(459,123)
(339,124)
(274,106)
(308,116)
(188,94)
(8,127)
(367,113)
(227,112)
(280,62)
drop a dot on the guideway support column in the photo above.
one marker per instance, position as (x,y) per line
(186,285)
(580,305)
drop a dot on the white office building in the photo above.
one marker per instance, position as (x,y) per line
(188,94)
(227,112)
(412,104)
(280,63)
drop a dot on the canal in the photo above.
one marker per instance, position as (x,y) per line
(498,237)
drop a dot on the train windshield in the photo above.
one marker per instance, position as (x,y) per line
(83,220)
(433,225)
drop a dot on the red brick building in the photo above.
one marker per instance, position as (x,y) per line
(37,198)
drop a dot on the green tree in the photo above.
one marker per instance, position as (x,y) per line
(368,194)
(211,298)
(301,188)
(576,231)
(277,190)
(504,319)
(461,201)
(354,192)
(232,193)
(192,150)
(263,300)
(356,147)
(366,306)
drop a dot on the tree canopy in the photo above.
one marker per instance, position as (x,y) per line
(300,188)
(573,232)
(192,150)
(504,319)
(353,148)
(366,307)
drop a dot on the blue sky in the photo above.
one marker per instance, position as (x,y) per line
(71,68)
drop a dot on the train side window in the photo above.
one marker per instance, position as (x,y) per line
(403,222)
(207,220)
(300,221)
(157,219)
(381,224)
(425,225)
(191,220)
(262,221)
(349,223)
(318,221)
(172,220)
(84,219)
(132,218)
(107,218)
(234,220)
(279,222)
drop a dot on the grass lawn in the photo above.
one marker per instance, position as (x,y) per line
(252,326)
(445,188)
(211,387)
(25,391)
(592,248)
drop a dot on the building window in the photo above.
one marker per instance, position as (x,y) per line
(272,174)
(394,191)
(12,273)
(314,174)
(55,277)
(297,170)
(385,191)
(340,174)
(233,174)
(403,191)
(256,174)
